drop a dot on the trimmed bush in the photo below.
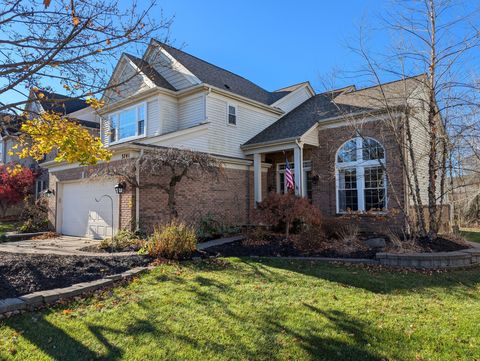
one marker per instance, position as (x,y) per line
(174,240)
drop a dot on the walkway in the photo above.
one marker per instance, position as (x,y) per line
(63,245)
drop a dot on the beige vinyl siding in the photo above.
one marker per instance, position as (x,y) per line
(153,122)
(168,116)
(134,83)
(191,112)
(175,73)
(226,139)
(293,100)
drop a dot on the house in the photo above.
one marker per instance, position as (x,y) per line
(169,98)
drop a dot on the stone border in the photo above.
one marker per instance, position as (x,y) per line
(39,299)
(16,236)
(459,259)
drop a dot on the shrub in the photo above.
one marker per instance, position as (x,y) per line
(311,239)
(174,240)
(123,240)
(210,227)
(286,210)
(34,216)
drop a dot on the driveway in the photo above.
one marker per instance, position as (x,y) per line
(63,245)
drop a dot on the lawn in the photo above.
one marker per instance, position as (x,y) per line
(242,309)
(471,234)
(7,227)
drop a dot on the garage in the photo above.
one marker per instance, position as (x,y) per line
(87,209)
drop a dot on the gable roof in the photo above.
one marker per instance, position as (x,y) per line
(150,72)
(332,104)
(59,103)
(221,78)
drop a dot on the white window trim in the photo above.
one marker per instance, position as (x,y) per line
(307,167)
(138,136)
(42,188)
(228,114)
(359,165)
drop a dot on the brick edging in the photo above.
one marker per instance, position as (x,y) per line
(39,299)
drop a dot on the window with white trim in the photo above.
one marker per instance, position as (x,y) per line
(232,115)
(127,124)
(307,177)
(361,178)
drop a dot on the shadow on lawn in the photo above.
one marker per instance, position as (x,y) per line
(373,280)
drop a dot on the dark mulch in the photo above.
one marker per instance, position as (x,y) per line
(25,273)
(277,247)
(442,244)
(96,249)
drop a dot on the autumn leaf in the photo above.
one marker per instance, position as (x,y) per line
(67,312)
(75,20)
(47,3)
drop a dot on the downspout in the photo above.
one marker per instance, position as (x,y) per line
(137,192)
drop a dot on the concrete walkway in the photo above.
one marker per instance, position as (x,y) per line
(63,245)
(218,242)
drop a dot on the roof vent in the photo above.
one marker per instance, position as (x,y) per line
(226,86)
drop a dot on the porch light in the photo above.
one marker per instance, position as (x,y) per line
(49,193)
(119,188)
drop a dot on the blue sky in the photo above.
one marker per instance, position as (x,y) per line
(273,43)
(276,43)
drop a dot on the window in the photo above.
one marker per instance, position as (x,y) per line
(128,123)
(361,177)
(232,115)
(40,186)
(307,177)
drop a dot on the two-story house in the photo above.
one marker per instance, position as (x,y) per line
(170,98)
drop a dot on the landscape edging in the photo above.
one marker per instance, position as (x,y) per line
(39,299)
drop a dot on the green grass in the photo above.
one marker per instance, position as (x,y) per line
(239,309)
(471,234)
(7,227)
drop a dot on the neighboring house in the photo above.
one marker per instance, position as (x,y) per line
(170,98)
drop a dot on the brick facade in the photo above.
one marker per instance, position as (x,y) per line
(323,169)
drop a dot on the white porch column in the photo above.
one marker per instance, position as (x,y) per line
(298,160)
(257,177)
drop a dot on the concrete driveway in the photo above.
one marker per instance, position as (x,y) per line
(63,245)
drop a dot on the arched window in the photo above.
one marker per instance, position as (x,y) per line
(360,176)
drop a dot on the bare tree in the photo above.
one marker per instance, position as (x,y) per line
(164,168)
(72,44)
(434,112)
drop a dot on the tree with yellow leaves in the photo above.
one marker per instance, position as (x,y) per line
(70,142)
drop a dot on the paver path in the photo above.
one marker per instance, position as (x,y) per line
(63,245)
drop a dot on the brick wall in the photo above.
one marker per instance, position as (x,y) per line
(323,166)
(229,199)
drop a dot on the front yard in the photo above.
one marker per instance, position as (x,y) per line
(261,310)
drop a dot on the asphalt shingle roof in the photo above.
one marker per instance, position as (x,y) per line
(223,79)
(149,71)
(60,103)
(334,104)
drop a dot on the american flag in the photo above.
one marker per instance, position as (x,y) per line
(289,177)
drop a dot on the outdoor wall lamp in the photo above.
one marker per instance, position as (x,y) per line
(49,193)
(120,188)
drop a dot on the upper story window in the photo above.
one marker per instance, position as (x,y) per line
(361,176)
(127,123)
(232,114)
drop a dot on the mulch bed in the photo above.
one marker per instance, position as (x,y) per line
(277,247)
(25,273)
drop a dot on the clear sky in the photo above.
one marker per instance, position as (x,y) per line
(273,43)
(276,43)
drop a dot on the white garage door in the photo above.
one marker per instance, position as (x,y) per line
(86,209)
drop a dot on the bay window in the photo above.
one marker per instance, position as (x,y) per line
(360,176)
(127,123)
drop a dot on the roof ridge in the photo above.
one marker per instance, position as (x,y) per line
(297,85)
(391,82)
(216,66)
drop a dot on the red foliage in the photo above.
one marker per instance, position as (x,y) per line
(15,184)
(286,209)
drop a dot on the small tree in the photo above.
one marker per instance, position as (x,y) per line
(16,182)
(164,168)
(286,209)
